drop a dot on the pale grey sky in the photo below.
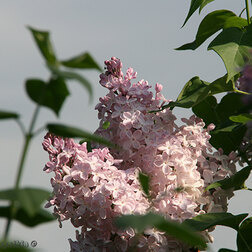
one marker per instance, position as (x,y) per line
(141,33)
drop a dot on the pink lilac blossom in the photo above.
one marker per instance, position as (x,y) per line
(92,188)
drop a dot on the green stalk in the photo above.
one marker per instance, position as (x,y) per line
(247,11)
(28,138)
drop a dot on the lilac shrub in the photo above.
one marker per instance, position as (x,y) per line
(93,188)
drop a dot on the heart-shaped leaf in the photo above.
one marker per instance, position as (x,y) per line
(233,45)
(51,94)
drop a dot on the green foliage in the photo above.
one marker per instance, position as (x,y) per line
(196,4)
(141,222)
(244,241)
(233,45)
(205,221)
(204,3)
(236,181)
(51,94)
(72,76)
(42,39)
(25,203)
(40,217)
(30,199)
(242,118)
(144,181)
(227,134)
(72,132)
(8,115)
(212,23)
(196,90)
(82,61)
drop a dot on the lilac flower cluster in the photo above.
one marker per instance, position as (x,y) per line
(92,188)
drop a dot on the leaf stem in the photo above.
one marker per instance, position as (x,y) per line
(241,92)
(28,137)
(247,11)
(38,131)
(242,12)
(20,124)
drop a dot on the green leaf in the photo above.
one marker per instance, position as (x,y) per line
(144,181)
(72,132)
(205,221)
(8,115)
(212,23)
(30,199)
(227,134)
(242,118)
(82,61)
(51,94)
(204,3)
(195,4)
(193,92)
(221,85)
(206,110)
(43,42)
(235,22)
(244,241)
(196,90)
(236,181)
(232,45)
(41,216)
(228,140)
(73,76)
(141,222)
(229,105)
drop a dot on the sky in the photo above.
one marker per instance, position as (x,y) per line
(142,33)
